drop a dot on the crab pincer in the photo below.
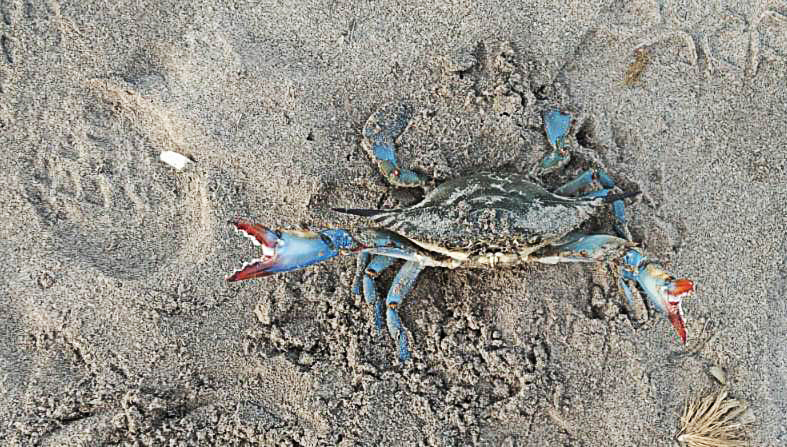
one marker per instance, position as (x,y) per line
(286,250)
(663,290)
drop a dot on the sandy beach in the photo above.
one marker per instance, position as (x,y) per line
(118,328)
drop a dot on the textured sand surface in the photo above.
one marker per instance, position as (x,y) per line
(116,325)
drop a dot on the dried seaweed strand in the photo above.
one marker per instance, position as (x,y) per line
(713,422)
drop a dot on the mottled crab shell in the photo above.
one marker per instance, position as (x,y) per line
(486,212)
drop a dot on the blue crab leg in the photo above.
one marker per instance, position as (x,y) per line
(664,292)
(283,251)
(380,133)
(402,285)
(372,270)
(364,284)
(360,266)
(557,125)
(580,247)
(587,178)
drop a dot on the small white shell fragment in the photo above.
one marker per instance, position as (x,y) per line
(174,159)
(718,374)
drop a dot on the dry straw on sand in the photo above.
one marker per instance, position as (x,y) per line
(715,421)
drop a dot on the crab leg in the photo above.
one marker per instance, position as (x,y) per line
(368,275)
(557,126)
(287,250)
(402,285)
(360,266)
(584,179)
(283,251)
(579,247)
(587,178)
(664,292)
(380,134)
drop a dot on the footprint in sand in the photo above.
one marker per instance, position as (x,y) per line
(104,197)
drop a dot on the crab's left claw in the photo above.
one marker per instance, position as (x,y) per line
(664,292)
(283,251)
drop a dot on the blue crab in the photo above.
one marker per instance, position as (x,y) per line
(482,220)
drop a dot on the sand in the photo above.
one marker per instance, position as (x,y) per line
(117,327)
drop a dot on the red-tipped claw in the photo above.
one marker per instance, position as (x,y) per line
(676,290)
(260,237)
(283,251)
(667,293)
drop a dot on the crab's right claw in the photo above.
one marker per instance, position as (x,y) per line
(283,251)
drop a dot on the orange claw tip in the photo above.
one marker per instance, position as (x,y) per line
(680,288)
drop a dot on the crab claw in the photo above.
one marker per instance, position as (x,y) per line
(664,291)
(283,251)
(667,293)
